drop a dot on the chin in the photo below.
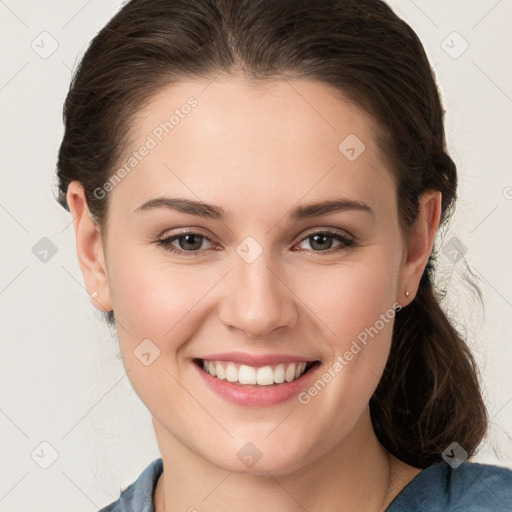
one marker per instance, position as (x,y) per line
(258,458)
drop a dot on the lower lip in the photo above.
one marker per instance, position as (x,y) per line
(253,395)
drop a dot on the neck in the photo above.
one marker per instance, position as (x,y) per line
(356,471)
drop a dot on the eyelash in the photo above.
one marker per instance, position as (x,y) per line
(165,243)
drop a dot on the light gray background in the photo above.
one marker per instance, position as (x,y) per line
(61,378)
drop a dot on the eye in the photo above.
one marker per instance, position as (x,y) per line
(189,243)
(322,240)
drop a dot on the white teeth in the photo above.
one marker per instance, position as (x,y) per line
(279,374)
(289,374)
(300,370)
(231,373)
(248,375)
(220,372)
(265,376)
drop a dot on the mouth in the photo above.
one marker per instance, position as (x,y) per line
(251,376)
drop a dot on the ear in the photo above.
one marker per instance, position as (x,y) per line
(419,243)
(89,248)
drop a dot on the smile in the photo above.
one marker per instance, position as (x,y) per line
(249,375)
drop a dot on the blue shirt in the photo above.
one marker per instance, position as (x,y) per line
(471,487)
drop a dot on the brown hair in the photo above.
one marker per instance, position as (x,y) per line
(429,394)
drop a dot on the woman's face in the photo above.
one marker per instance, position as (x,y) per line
(256,287)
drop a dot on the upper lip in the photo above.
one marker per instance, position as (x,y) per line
(256,360)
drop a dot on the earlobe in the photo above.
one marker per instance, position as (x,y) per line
(89,248)
(420,242)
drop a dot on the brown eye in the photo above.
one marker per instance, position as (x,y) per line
(322,241)
(187,243)
(190,243)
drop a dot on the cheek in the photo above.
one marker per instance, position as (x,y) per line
(158,302)
(353,298)
(150,297)
(167,303)
(357,304)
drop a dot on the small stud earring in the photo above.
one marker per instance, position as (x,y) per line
(95,294)
(407,293)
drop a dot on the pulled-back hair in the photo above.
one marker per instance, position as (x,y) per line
(429,394)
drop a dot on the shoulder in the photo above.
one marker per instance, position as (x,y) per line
(137,497)
(471,487)
(483,486)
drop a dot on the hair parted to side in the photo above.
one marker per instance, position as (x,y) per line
(429,394)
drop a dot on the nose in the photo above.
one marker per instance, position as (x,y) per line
(258,300)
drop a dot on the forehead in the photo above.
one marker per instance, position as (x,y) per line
(233,139)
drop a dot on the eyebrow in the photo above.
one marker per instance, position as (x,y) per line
(202,209)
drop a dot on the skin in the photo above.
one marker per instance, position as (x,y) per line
(258,151)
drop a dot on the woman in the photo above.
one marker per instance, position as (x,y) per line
(256,187)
